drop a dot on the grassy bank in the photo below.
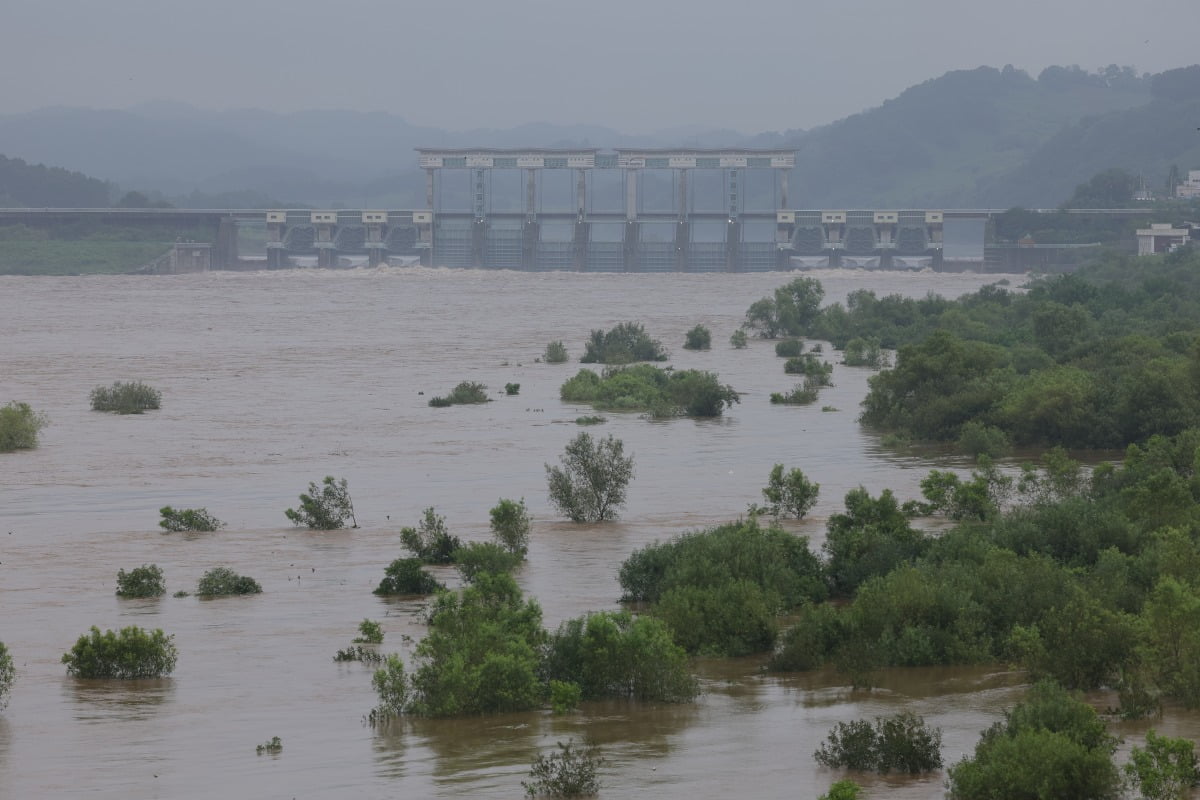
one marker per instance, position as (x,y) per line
(82,257)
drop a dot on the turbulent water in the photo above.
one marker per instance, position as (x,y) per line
(272,380)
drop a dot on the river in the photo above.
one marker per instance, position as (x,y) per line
(271,380)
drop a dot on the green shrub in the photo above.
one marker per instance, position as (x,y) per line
(811,641)
(325,508)
(7,674)
(188,519)
(19,427)
(477,557)
(842,790)
(405,576)
(133,397)
(738,339)
(777,561)
(369,632)
(698,338)
(790,495)
(977,439)
(391,685)
(466,393)
(862,352)
(1166,769)
(568,773)
(430,541)
(273,747)
(510,523)
(645,387)
(481,654)
(512,388)
(144,581)
(130,653)
(802,394)
(556,353)
(625,343)
(732,618)
(614,654)
(220,581)
(358,653)
(809,366)
(789,348)
(592,420)
(565,696)
(590,485)
(901,743)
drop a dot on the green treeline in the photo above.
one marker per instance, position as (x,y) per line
(1088,579)
(1097,359)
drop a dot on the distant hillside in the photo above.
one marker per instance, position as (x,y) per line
(982,137)
(25,185)
(1146,140)
(943,142)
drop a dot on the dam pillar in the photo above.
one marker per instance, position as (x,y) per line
(683,228)
(580,244)
(630,242)
(276,228)
(226,255)
(375,222)
(324,224)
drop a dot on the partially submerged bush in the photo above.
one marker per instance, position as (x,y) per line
(144,581)
(698,338)
(789,348)
(430,541)
(273,747)
(133,397)
(810,366)
(900,743)
(510,522)
(625,343)
(7,673)
(324,508)
(188,519)
(861,352)
(391,685)
(19,427)
(369,632)
(512,388)
(614,654)
(590,484)
(405,576)
(477,557)
(590,420)
(358,653)
(556,353)
(466,393)
(570,772)
(645,387)
(738,339)
(130,653)
(791,494)
(220,581)
(802,394)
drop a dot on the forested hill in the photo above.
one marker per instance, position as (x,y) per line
(949,141)
(38,186)
(1146,140)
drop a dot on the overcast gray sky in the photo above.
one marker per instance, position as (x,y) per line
(633,65)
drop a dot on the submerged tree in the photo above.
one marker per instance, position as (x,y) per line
(590,485)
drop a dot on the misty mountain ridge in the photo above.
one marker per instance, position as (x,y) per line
(983,137)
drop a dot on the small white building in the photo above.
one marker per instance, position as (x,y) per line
(1189,189)
(1161,237)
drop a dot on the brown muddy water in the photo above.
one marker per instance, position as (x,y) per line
(272,380)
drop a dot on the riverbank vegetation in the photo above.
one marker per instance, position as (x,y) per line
(465,393)
(19,427)
(430,541)
(662,393)
(223,581)
(144,581)
(1101,358)
(7,674)
(405,576)
(698,338)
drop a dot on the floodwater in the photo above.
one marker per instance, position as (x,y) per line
(272,380)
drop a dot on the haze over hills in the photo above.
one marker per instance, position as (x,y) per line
(982,137)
